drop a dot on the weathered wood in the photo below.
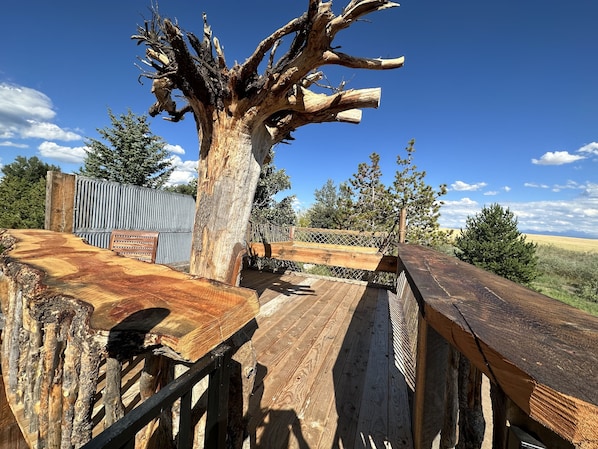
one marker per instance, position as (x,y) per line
(448,434)
(189,315)
(539,351)
(327,255)
(60,201)
(140,245)
(430,392)
(11,436)
(68,305)
(113,405)
(499,417)
(471,417)
(240,113)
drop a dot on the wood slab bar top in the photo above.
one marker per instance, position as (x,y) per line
(541,352)
(189,315)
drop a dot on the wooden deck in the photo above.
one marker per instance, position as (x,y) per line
(327,376)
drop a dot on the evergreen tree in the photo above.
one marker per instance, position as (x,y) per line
(372,202)
(131,154)
(411,192)
(23,193)
(492,241)
(265,206)
(331,209)
(185,189)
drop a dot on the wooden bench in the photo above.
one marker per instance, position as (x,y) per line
(140,245)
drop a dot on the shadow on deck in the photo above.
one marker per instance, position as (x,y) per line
(327,376)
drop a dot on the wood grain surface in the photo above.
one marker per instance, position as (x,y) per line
(189,315)
(541,352)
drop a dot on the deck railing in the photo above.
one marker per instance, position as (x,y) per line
(319,239)
(216,366)
(538,354)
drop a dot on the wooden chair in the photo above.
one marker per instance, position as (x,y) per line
(141,245)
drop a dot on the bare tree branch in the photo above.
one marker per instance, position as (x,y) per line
(281,94)
(334,57)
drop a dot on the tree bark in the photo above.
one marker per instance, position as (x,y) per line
(229,168)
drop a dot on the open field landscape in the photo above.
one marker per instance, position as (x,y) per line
(568,269)
(569,243)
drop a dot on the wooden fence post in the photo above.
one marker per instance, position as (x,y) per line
(60,201)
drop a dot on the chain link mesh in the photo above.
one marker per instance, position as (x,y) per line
(270,233)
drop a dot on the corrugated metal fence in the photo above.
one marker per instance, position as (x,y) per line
(101,206)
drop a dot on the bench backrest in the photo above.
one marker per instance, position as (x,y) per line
(141,245)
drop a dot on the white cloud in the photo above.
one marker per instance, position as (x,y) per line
(17,102)
(461,186)
(175,149)
(8,143)
(27,113)
(590,148)
(491,193)
(570,185)
(557,158)
(44,130)
(71,155)
(577,215)
(184,171)
(536,186)
(506,188)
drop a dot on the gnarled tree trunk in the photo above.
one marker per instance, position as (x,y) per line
(241,113)
(230,167)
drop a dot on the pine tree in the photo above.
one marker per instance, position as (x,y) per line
(265,206)
(331,209)
(421,201)
(372,201)
(492,241)
(131,154)
(23,193)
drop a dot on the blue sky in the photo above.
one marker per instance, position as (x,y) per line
(501,97)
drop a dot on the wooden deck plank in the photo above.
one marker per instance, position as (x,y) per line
(372,426)
(287,387)
(321,409)
(313,355)
(349,374)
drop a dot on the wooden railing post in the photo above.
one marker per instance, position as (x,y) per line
(430,393)
(60,201)
(471,418)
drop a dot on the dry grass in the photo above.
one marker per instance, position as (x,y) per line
(568,243)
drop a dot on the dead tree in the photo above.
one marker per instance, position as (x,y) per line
(241,113)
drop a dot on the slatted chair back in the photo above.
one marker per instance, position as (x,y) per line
(141,245)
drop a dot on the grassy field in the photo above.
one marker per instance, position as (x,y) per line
(568,243)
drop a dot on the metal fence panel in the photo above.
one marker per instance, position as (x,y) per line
(101,206)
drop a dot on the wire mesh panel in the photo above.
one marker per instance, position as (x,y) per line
(270,233)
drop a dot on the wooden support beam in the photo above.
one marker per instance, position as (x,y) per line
(432,366)
(346,257)
(60,201)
